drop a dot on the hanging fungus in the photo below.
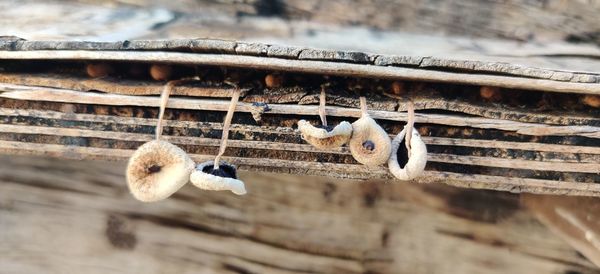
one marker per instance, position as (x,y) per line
(409,153)
(220,175)
(324,136)
(370,144)
(206,177)
(158,169)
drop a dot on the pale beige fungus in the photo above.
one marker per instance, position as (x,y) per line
(323,139)
(366,129)
(156,170)
(417,158)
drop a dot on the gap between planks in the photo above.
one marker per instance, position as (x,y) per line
(539,186)
(309,66)
(445,141)
(433,157)
(423,101)
(19,92)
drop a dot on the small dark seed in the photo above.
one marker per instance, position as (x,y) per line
(154,169)
(369,145)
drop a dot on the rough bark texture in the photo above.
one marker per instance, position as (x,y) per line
(12,44)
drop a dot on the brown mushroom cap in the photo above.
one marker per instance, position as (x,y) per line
(370,145)
(273,80)
(161,72)
(156,170)
(325,139)
(591,100)
(404,166)
(96,70)
(492,94)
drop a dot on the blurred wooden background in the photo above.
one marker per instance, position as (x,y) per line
(78,217)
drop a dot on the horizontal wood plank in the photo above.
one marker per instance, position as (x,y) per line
(69,96)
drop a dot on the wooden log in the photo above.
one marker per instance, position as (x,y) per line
(574,220)
(119,87)
(441,158)
(263,147)
(425,99)
(216,46)
(69,96)
(341,226)
(586,154)
(310,66)
(344,171)
(555,154)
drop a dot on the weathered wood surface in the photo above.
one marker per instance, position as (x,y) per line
(87,125)
(69,96)
(400,27)
(530,166)
(79,213)
(576,220)
(425,98)
(75,216)
(305,60)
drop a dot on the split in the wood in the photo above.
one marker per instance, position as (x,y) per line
(289,87)
(314,156)
(496,182)
(278,98)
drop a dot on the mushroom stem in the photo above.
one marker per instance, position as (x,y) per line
(226,125)
(363,105)
(322,111)
(410,123)
(164,98)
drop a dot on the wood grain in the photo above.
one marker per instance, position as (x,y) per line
(343,171)
(340,226)
(310,66)
(574,220)
(69,96)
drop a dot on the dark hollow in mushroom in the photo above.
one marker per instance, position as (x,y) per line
(225,170)
(402,154)
(369,145)
(154,169)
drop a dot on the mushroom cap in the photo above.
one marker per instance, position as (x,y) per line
(592,100)
(156,170)
(161,72)
(366,129)
(204,177)
(322,138)
(417,159)
(96,70)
